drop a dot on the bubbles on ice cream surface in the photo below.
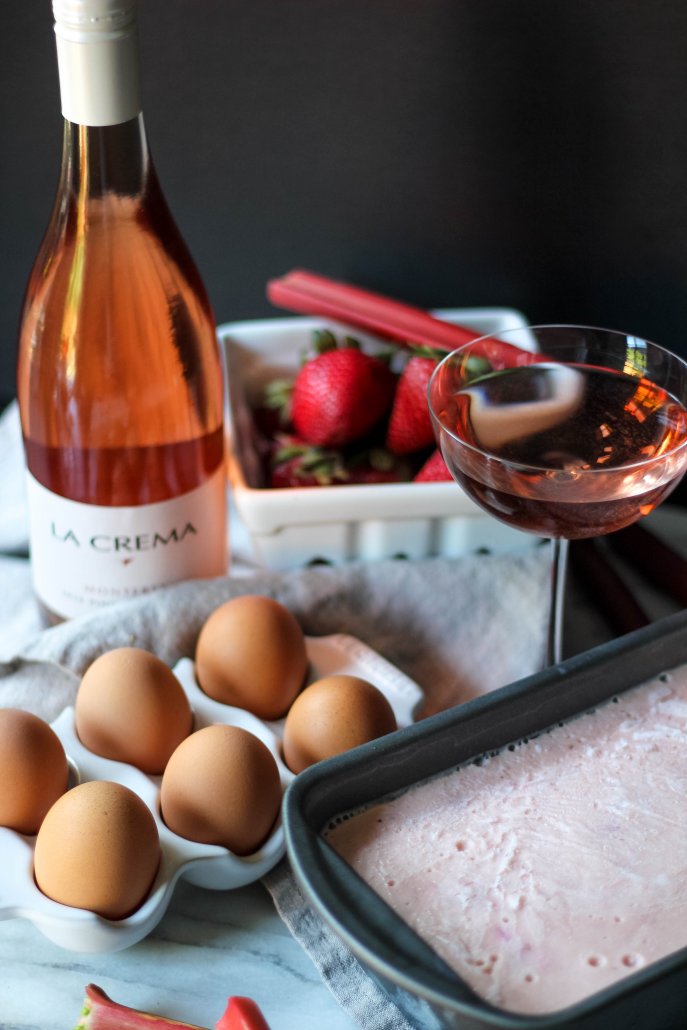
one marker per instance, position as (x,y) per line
(552,869)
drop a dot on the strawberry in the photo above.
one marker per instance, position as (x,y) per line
(294,463)
(271,410)
(434,469)
(410,426)
(340,395)
(370,474)
(377,465)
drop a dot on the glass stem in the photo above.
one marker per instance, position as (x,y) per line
(559,565)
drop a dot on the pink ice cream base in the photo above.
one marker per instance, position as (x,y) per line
(553,869)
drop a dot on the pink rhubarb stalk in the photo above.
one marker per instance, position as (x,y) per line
(309,293)
(99,1012)
(242,1014)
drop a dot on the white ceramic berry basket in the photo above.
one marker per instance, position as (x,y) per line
(289,528)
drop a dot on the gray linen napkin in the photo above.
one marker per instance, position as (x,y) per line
(457,627)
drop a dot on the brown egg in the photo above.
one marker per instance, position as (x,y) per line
(222,786)
(131,707)
(251,654)
(333,715)
(98,848)
(33,769)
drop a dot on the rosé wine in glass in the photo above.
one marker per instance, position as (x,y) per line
(581,436)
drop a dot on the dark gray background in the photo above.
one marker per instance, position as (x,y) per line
(453,152)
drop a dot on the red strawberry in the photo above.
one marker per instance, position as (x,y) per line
(294,462)
(434,469)
(292,473)
(377,465)
(340,395)
(271,410)
(369,474)
(410,426)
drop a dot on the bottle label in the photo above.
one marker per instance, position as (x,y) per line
(85,556)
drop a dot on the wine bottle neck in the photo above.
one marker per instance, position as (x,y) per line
(104,147)
(114,159)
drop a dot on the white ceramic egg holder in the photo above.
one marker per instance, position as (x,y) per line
(205,865)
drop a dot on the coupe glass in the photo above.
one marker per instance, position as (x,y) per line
(562,431)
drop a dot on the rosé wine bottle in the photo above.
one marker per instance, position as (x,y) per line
(119,371)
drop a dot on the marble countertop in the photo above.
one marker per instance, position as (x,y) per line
(208,946)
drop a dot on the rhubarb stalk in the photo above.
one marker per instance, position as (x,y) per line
(99,1012)
(242,1014)
(311,294)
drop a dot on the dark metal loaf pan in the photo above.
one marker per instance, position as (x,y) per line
(426,990)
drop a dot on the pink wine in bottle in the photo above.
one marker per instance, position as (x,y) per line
(119,372)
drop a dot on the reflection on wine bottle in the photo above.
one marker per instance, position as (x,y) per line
(119,373)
